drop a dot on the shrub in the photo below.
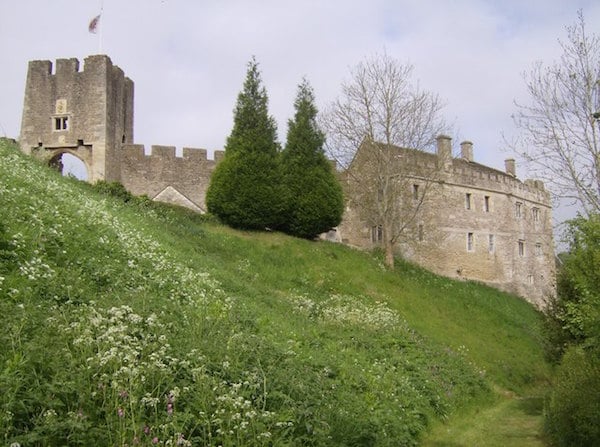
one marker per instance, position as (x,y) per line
(573,410)
(114,189)
(245,193)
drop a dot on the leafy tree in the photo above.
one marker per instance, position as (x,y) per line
(383,108)
(315,200)
(573,324)
(574,317)
(560,133)
(245,189)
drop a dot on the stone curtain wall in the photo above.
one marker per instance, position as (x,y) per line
(153,173)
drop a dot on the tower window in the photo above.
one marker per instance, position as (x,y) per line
(518,210)
(61,123)
(468,200)
(535,213)
(491,243)
(470,242)
(521,248)
(420,232)
(538,249)
(376,233)
(486,204)
(416,192)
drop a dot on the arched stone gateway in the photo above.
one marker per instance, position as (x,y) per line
(69,163)
(53,155)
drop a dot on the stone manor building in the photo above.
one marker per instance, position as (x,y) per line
(473,222)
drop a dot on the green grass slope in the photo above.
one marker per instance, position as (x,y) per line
(139,324)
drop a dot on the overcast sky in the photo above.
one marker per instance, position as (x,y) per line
(188,58)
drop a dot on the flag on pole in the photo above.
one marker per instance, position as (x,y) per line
(93,26)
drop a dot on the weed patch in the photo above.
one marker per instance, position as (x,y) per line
(133,323)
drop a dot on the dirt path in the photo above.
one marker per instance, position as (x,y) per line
(510,422)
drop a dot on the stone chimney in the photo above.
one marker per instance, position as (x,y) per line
(444,151)
(510,167)
(466,150)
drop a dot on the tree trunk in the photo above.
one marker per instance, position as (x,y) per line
(389,254)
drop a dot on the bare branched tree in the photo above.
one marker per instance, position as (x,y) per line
(380,111)
(559,126)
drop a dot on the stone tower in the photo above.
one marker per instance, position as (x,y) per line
(87,113)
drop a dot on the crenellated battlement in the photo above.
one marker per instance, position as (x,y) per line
(40,68)
(64,66)
(92,64)
(169,153)
(483,177)
(463,171)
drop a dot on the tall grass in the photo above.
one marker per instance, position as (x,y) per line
(131,323)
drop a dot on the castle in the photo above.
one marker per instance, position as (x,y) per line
(476,223)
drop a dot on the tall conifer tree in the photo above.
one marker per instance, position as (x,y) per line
(245,189)
(314,196)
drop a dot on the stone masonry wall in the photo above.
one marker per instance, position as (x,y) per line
(476,223)
(152,174)
(94,107)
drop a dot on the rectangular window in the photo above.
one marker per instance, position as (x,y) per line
(376,233)
(486,204)
(535,214)
(416,192)
(420,232)
(61,123)
(518,210)
(521,248)
(468,200)
(538,249)
(530,279)
(470,242)
(491,243)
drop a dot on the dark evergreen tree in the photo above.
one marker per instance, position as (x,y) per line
(246,187)
(314,195)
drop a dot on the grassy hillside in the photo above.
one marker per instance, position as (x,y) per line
(138,324)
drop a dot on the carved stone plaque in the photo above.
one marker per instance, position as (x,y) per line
(61,106)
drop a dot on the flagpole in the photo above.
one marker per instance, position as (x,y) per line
(101,27)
